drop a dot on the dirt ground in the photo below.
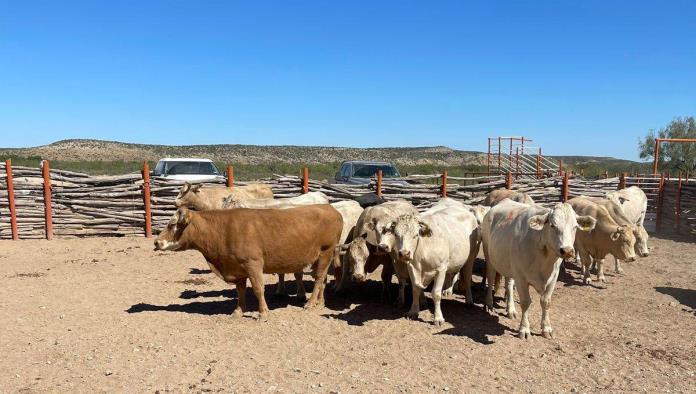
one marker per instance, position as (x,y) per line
(110,314)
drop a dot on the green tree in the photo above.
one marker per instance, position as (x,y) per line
(673,156)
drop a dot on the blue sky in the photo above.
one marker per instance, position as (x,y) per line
(579,77)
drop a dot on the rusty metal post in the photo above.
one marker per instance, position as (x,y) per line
(622,181)
(564,193)
(522,145)
(660,195)
(305,180)
(488,158)
(500,149)
(379,183)
(230,176)
(517,162)
(48,210)
(444,184)
(508,180)
(678,207)
(560,167)
(510,154)
(11,199)
(146,200)
(656,155)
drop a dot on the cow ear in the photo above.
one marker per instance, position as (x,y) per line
(185,189)
(424,230)
(196,188)
(615,235)
(183,216)
(586,223)
(537,222)
(623,200)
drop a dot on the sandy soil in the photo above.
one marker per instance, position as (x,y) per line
(112,315)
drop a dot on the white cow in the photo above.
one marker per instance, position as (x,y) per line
(528,243)
(634,204)
(435,245)
(310,198)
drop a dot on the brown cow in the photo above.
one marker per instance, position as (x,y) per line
(203,198)
(246,243)
(498,195)
(608,237)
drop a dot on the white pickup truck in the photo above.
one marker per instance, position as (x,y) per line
(187,169)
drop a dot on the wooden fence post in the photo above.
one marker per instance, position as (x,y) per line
(48,210)
(11,199)
(508,180)
(146,200)
(564,193)
(444,184)
(379,183)
(230,176)
(305,180)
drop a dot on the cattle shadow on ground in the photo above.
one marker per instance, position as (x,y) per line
(686,297)
(471,321)
(196,271)
(224,307)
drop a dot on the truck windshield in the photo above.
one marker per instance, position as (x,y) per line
(189,168)
(370,170)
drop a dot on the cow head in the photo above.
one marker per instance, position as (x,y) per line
(383,235)
(616,197)
(358,253)
(558,227)
(623,243)
(407,230)
(641,241)
(188,195)
(169,238)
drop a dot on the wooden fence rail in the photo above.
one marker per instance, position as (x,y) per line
(44,202)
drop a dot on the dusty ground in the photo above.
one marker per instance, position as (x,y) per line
(112,315)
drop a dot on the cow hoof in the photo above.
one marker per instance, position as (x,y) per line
(438,322)
(399,302)
(547,333)
(263,317)
(511,314)
(602,279)
(619,271)
(301,298)
(587,281)
(489,308)
(447,293)
(237,314)
(412,315)
(524,334)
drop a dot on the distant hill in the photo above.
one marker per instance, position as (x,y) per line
(96,150)
(256,161)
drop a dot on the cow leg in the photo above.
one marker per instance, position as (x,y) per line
(525,302)
(490,288)
(256,277)
(401,298)
(465,277)
(241,297)
(343,280)
(280,289)
(448,286)
(322,266)
(545,300)
(415,302)
(387,272)
(510,298)
(586,263)
(436,293)
(600,270)
(301,292)
(617,266)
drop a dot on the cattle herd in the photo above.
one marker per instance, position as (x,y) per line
(244,233)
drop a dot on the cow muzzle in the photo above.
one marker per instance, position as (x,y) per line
(567,252)
(383,248)
(404,255)
(644,254)
(359,277)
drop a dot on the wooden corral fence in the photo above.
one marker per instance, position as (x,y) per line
(43,202)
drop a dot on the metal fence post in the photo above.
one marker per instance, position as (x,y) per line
(444,184)
(230,176)
(305,180)
(48,210)
(508,180)
(622,181)
(379,183)
(146,200)
(660,197)
(11,199)
(564,193)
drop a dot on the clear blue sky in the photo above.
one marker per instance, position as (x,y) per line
(580,77)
